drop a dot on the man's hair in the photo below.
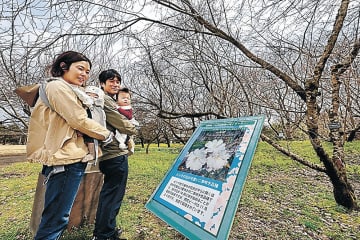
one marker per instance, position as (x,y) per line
(109,74)
(64,60)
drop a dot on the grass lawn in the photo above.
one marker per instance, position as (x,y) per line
(281,199)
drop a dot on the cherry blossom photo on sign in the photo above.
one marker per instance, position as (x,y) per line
(212,153)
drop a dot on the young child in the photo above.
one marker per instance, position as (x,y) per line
(125,108)
(95,104)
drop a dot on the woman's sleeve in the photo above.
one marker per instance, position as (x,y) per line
(65,102)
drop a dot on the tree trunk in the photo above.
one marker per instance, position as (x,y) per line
(335,168)
(147,148)
(343,192)
(351,136)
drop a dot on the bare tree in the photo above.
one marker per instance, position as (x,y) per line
(307,88)
(192,60)
(33,32)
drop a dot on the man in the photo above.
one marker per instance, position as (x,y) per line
(113,163)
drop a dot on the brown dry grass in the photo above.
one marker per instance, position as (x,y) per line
(8,150)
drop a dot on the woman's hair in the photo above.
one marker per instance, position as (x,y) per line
(109,74)
(64,60)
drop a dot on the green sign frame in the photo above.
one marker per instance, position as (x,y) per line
(200,193)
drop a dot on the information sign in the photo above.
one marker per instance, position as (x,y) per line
(200,193)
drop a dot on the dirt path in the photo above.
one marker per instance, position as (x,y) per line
(6,160)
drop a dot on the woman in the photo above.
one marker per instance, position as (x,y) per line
(55,140)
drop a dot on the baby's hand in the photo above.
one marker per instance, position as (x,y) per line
(131,146)
(108,140)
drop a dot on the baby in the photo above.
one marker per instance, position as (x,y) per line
(95,104)
(125,108)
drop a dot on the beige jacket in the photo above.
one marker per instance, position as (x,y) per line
(53,135)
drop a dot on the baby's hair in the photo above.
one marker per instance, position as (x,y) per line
(124,90)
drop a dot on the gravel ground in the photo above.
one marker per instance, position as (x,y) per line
(5,160)
(287,206)
(300,206)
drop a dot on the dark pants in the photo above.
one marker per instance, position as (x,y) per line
(61,190)
(115,172)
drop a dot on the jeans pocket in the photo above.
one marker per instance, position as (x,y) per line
(46,170)
(77,168)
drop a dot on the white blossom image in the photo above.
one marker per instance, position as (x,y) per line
(196,159)
(214,154)
(218,156)
(215,145)
(217,160)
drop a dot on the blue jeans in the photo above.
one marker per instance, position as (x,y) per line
(115,172)
(61,190)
